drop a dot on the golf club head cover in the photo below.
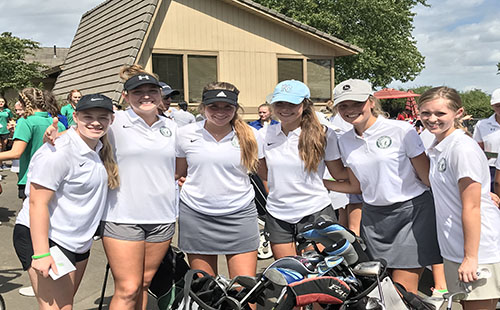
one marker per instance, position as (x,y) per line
(324,290)
(297,263)
(334,231)
(344,248)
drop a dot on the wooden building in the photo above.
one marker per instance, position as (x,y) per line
(189,43)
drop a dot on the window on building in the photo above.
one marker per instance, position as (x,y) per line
(290,69)
(169,69)
(319,78)
(201,71)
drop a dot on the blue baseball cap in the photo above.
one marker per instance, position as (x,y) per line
(291,91)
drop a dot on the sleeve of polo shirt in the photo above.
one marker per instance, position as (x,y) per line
(48,167)
(179,139)
(22,131)
(413,143)
(466,163)
(332,151)
(477,132)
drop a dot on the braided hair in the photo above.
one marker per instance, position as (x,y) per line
(35,99)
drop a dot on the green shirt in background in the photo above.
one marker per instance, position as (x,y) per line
(67,111)
(31,130)
(5,115)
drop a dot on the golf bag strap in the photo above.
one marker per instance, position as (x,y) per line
(188,281)
(414,301)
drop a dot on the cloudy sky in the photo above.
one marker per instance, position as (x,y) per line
(460,39)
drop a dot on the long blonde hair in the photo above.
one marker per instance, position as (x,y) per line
(453,101)
(377,109)
(108,159)
(246,138)
(312,139)
(35,99)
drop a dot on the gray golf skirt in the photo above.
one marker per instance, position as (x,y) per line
(218,235)
(404,234)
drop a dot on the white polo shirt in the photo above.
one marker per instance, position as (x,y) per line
(80,182)
(293,191)
(146,162)
(380,159)
(216,183)
(456,157)
(488,131)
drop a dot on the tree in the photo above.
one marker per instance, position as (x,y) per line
(382,28)
(476,103)
(498,68)
(15,72)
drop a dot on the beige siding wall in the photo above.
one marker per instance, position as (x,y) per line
(247,44)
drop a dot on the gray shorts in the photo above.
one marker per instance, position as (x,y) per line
(154,233)
(355,198)
(280,231)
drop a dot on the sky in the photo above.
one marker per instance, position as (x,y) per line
(460,39)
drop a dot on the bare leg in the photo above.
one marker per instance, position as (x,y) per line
(354,217)
(438,276)
(126,259)
(408,278)
(207,263)
(283,249)
(343,219)
(58,294)
(155,252)
(243,264)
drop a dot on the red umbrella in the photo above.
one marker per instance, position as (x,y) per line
(390,93)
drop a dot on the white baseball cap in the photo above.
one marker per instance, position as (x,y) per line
(495,96)
(352,89)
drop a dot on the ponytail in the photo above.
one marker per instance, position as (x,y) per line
(312,140)
(106,155)
(248,143)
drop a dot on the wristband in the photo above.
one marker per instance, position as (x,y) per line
(40,256)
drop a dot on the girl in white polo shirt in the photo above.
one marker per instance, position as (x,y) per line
(487,133)
(66,196)
(217,214)
(292,161)
(388,159)
(467,218)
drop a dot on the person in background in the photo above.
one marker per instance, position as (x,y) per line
(181,116)
(466,216)
(487,134)
(28,136)
(166,99)
(5,116)
(265,117)
(49,96)
(68,110)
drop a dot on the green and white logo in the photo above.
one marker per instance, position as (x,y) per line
(235,142)
(442,165)
(384,142)
(165,131)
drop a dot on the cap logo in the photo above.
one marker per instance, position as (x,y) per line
(346,87)
(143,77)
(286,87)
(221,94)
(96,99)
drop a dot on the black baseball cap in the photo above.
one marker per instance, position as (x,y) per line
(140,79)
(167,91)
(94,101)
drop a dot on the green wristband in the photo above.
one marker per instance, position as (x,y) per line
(40,256)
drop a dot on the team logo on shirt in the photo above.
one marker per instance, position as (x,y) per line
(235,142)
(442,165)
(384,142)
(165,131)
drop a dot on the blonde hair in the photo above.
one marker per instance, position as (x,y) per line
(312,139)
(246,138)
(126,72)
(453,101)
(108,160)
(35,99)
(377,109)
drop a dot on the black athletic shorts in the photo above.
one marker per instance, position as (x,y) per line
(24,247)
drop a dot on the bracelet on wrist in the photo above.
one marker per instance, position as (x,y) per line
(40,256)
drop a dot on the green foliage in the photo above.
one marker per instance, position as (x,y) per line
(382,28)
(476,103)
(15,72)
(498,68)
